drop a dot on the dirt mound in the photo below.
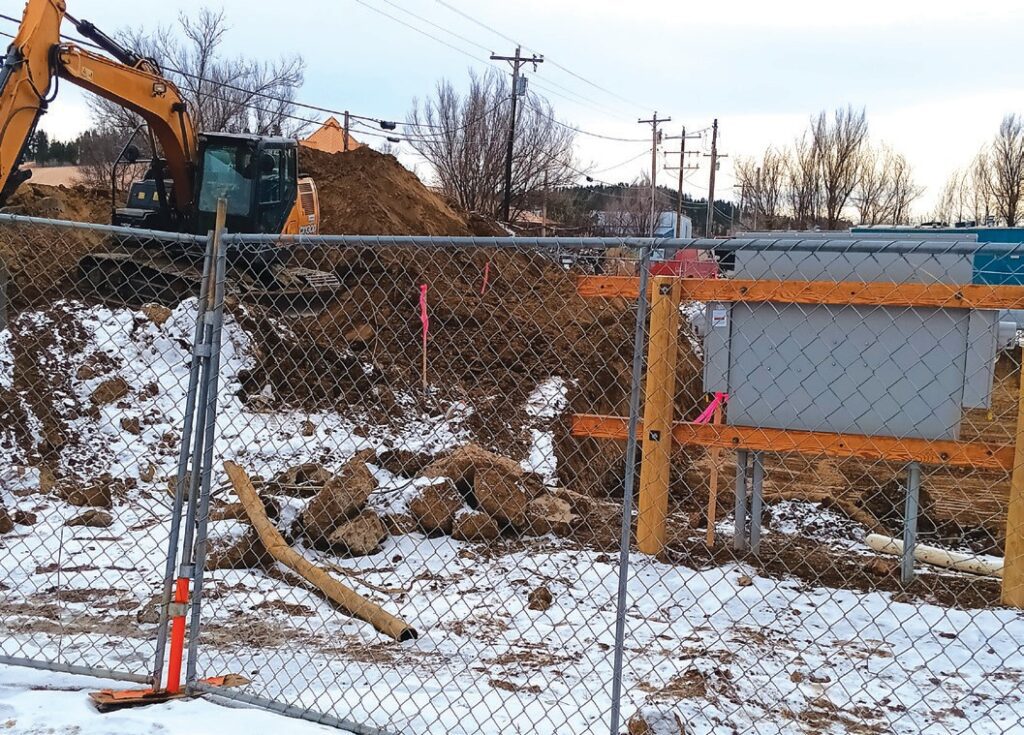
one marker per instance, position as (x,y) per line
(43,259)
(77,203)
(364,192)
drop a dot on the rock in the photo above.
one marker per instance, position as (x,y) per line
(228,512)
(361,536)
(92,518)
(403,462)
(23,518)
(156,313)
(340,500)
(132,425)
(245,553)
(47,480)
(6,522)
(300,481)
(474,525)
(434,506)
(110,390)
(149,613)
(500,494)
(307,428)
(147,472)
(462,465)
(580,505)
(399,523)
(540,599)
(744,581)
(655,721)
(548,514)
(97,493)
(881,567)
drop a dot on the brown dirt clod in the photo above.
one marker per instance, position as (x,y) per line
(341,499)
(548,514)
(474,525)
(110,390)
(363,535)
(434,507)
(92,518)
(540,599)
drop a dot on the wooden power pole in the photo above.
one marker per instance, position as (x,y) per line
(683,168)
(654,122)
(714,155)
(516,61)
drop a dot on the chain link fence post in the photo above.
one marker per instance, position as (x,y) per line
(629,483)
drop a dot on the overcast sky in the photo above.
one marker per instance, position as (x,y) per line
(935,76)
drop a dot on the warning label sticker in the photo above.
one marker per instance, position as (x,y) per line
(719,318)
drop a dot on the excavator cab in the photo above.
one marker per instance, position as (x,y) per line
(256,175)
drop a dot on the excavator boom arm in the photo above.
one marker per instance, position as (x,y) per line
(36,57)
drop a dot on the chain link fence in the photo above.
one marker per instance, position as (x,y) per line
(491,485)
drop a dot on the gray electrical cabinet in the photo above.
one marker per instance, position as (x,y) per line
(888,371)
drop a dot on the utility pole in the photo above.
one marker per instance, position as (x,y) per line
(714,155)
(516,62)
(682,138)
(345,129)
(654,122)
(544,207)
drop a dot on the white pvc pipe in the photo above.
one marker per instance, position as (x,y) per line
(986,566)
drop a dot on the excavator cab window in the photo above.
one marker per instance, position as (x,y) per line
(277,187)
(228,171)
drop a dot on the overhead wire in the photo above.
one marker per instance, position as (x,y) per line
(547,60)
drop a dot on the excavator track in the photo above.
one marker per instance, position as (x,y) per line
(136,276)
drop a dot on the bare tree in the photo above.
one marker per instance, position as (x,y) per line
(885,189)
(1006,158)
(763,183)
(464,137)
(629,213)
(234,94)
(838,144)
(803,183)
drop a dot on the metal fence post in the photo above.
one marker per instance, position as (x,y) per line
(739,541)
(216,319)
(756,501)
(179,484)
(628,482)
(910,522)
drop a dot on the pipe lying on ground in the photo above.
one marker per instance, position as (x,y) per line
(938,557)
(353,603)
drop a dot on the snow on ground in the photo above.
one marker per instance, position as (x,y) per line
(39,703)
(720,648)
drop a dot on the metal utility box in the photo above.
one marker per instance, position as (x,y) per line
(888,371)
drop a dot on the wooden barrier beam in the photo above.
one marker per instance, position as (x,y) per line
(1013,554)
(890,449)
(659,401)
(938,295)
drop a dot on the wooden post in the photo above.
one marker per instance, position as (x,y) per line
(714,453)
(659,401)
(1013,562)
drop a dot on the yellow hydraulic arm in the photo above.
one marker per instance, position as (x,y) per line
(36,59)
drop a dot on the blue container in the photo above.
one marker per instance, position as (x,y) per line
(994,270)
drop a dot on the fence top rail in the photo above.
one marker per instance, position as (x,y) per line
(138,232)
(801,245)
(840,243)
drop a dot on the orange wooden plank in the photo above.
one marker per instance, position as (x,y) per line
(926,451)
(961,296)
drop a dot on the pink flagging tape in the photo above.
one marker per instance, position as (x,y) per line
(424,318)
(707,413)
(487,276)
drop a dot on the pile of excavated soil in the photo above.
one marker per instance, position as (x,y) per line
(363,192)
(41,259)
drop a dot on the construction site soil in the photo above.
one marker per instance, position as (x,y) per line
(501,322)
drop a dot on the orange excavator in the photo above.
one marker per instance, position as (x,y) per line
(187,174)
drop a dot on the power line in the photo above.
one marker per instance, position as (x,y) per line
(553,63)
(581,131)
